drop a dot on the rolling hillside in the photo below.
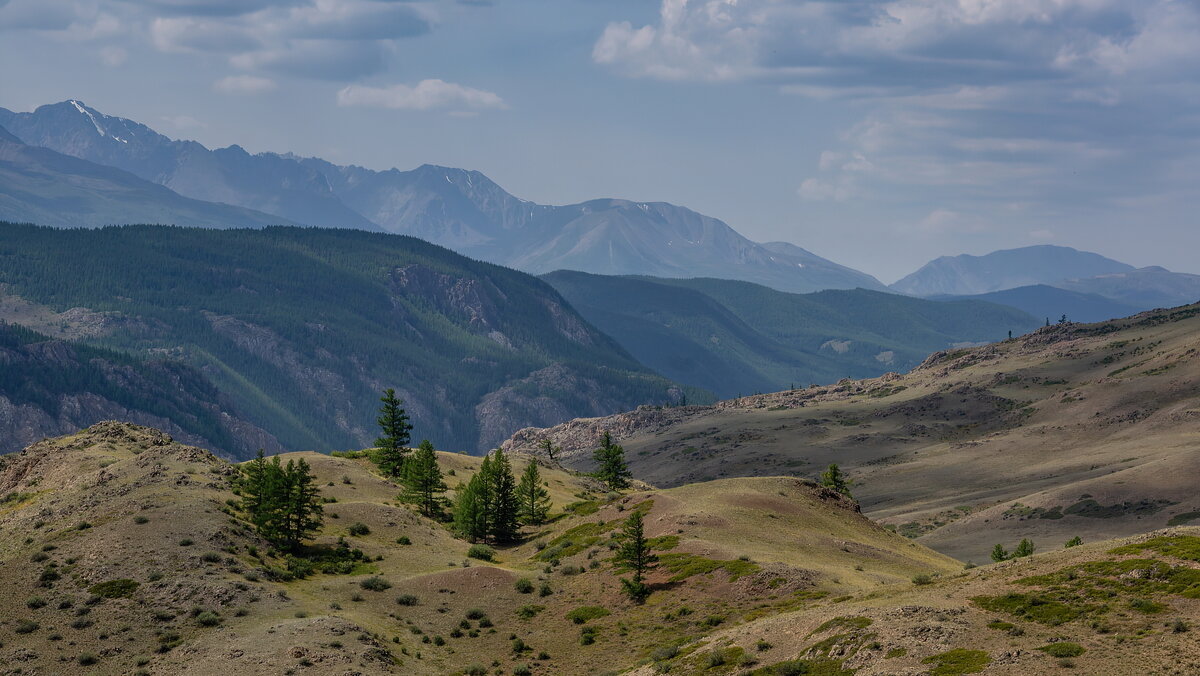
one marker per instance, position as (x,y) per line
(737,338)
(140,563)
(1076,429)
(1008,269)
(302,328)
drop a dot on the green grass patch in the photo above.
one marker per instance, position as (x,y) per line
(114,589)
(683,566)
(582,508)
(846,622)
(583,614)
(958,661)
(895,652)
(1035,607)
(1186,547)
(814,667)
(1181,519)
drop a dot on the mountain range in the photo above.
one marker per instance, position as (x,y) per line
(462,210)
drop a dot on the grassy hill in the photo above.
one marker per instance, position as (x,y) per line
(122,551)
(736,338)
(1077,429)
(302,328)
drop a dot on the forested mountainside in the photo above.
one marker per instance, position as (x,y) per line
(735,338)
(302,328)
(51,387)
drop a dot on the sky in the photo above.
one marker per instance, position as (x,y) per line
(877,133)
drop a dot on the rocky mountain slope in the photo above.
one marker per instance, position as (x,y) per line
(1076,429)
(122,551)
(302,328)
(51,387)
(736,338)
(460,209)
(967,275)
(50,188)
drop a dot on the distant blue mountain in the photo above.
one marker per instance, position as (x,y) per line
(1041,300)
(971,275)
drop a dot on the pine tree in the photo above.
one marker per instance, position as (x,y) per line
(394,427)
(999,553)
(834,479)
(533,496)
(1024,548)
(423,484)
(636,554)
(252,484)
(612,469)
(504,508)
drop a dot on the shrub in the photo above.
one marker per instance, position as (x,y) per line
(83,525)
(139,519)
(208,618)
(375,583)
(545,589)
(519,646)
(406,600)
(664,653)
(587,635)
(476,614)
(476,670)
(584,613)
(210,557)
(26,627)
(186,542)
(403,540)
(762,646)
(114,589)
(527,612)
(522,670)
(481,552)
(35,602)
(359,528)
(524,585)
(922,579)
(1063,649)
(716,658)
(88,659)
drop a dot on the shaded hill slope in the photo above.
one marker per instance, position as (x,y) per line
(1079,429)
(736,338)
(1051,303)
(51,387)
(302,328)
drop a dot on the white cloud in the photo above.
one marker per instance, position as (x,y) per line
(425,95)
(243,84)
(184,122)
(1042,235)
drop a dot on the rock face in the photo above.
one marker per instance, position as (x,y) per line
(52,387)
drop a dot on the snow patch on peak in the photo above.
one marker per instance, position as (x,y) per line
(80,107)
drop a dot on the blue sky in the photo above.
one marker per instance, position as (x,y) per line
(879,133)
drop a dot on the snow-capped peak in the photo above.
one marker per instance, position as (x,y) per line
(80,107)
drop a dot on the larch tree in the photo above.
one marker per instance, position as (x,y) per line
(393,438)
(532,495)
(423,484)
(635,554)
(834,479)
(611,469)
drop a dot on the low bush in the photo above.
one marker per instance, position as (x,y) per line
(481,552)
(375,583)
